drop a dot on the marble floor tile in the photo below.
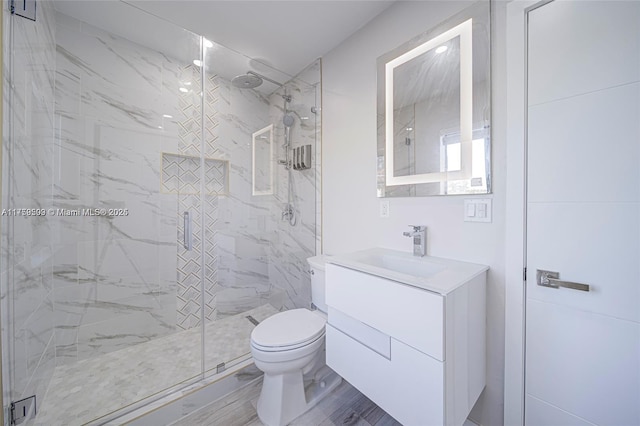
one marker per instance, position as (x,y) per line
(89,389)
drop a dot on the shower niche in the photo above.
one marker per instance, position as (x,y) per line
(181,175)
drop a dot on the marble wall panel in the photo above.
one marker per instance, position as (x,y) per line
(242,235)
(117,111)
(106,261)
(84,314)
(66,345)
(170,96)
(112,102)
(108,57)
(117,332)
(36,333)
(42,373)
(28,292)
(65,266)
(292,245)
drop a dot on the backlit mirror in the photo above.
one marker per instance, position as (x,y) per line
(262,164)
(434,110)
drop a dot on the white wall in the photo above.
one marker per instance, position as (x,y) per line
(350,207)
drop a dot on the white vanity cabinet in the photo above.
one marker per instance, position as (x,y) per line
(417,353)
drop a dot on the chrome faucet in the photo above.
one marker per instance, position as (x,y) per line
(419,236)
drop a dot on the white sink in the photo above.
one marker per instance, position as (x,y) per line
(399,262)
(430,273)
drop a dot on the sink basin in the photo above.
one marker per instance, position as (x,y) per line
(430,273)
(400,262)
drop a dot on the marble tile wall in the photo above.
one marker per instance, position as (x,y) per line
(292,245)
(254,258)
(99,119)
(27,176)
(118,107)
(242,235)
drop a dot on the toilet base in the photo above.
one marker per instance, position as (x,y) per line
(324,381)
(284,396)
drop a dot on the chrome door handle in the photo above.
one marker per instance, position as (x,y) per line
(550,279)
(186,231)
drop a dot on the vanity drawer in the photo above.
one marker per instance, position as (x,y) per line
(408,314)
(409,386)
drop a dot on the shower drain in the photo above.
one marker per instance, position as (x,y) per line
(252,320)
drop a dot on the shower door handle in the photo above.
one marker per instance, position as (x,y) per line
(187,231)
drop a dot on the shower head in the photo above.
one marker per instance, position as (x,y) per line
(300,117)
(246,81)
(288,120)
(251,80)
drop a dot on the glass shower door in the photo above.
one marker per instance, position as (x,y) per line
(103,300)
(263,224)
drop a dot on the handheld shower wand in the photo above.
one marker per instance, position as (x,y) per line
(288,120)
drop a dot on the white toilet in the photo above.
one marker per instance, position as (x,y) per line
(289,348)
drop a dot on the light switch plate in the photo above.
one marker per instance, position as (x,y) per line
(477,210)
(470,209)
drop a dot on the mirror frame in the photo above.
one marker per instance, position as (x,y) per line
(461,25)
(463,31)
(255,137)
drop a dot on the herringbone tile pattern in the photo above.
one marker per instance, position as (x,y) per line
(181,175)
(184,178)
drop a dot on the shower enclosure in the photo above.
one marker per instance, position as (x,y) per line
(135,256)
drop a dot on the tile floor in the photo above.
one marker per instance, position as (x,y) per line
(89,389)
(344,406)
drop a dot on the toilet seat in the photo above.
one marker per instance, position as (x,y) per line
(288,330)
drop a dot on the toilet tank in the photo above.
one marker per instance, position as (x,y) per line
(316,264)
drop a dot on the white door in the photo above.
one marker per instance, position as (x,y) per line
(583,213)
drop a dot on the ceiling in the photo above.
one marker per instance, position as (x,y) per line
(287,35)
(275,38)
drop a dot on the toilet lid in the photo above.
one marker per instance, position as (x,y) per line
(288,328)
